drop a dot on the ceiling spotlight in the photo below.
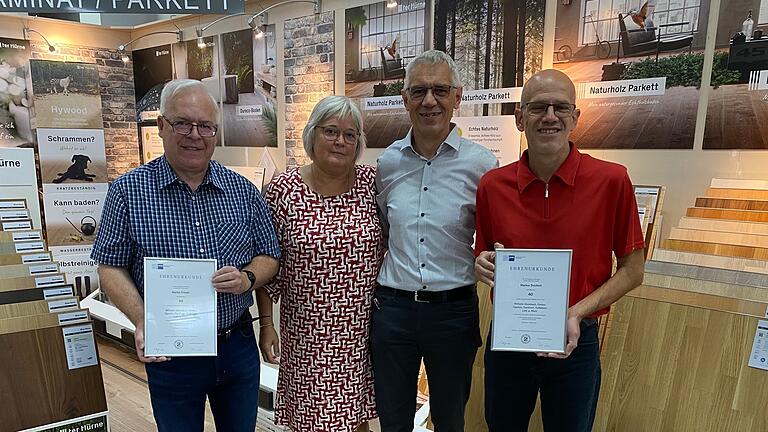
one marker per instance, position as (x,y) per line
(258,33)
(200,42)
(123,55)
(26,31)
(391,4)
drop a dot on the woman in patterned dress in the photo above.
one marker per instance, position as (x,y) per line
(326,222)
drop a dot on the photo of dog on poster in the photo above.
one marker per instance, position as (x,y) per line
(66,94)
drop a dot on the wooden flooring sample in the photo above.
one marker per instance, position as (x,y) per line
(713,261)
(36,385)
(735,204)
(741,215)
(671,367)
(32,294)
(716,249)
(724,226)
(739,184)
(20,283)
(22,270)
(733,277)
(33,322)
(731,291)
(753,240)
(738,193)
(37,257)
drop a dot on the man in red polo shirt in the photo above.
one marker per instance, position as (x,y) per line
(555,197)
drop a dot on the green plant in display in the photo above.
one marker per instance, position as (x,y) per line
(269,118)
(356,17)
(683,70)
(394,88)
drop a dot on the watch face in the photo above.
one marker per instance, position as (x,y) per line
(251,276)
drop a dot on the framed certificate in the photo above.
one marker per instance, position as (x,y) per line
(530,300)
(179,307)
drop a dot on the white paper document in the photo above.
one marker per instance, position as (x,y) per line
(179,307)
(530,300)
(80,346)
(758,358)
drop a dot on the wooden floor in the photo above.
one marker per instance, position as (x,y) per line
(246,131)
(363,89)
(383,127)
(737,118)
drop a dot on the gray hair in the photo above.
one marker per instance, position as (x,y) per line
(429,58)
(174,87)
(333,107)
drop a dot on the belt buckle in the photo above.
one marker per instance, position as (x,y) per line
(416,298)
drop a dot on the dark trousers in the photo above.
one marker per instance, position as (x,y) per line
(569,387)
(178,387)
(446,335)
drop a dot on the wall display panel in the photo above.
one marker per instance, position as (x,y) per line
(150,143)
(637,67)
(67,94)
(152,68)
(79,269)
(18,180)
(737,109)
(72,160)
(15,128)
(380,42)
(247,79)
(73,219)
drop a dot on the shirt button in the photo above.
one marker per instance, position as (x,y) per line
(425,188)
(422,215)
(421,240)
(193,198)
(423,265)
(197,223)
(429,163)
(202,250)
(423,287)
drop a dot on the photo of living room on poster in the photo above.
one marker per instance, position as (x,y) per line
(737,110)
(637,65)
(379,42)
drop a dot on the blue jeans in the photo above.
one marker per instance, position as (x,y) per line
(178,387)
(446,335)
(569,387)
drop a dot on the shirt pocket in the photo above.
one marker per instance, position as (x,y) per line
(234,243)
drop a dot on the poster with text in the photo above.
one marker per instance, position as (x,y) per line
(72,219)
(379,43)
(15,128)
(150,143)
(152,68)
(247,82)
(737,109)
(498,134)
(78,267)
(66,94)
(71,157)
(18,179)
(637,76)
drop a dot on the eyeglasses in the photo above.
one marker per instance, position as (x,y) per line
(439,91)
(540,108)
(183,127)
(331,133)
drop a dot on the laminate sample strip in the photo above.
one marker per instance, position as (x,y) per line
(713,261)
(37,257)
(720,289)
(725,276)
(753,240)
(740,215)
(37,387)
(43,281)
(33,322)
(739,184)
(17,236)
(724,226)
(38,307)
(25,270)
(735,204)
(738,193)
(33,294)
(717,249)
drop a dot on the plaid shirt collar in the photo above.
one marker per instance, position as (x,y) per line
(166,176)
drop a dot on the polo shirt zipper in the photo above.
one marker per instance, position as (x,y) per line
(546,200)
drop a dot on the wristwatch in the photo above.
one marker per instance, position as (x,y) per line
(251,277)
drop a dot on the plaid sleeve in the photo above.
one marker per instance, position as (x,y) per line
(264,238)
(113,245)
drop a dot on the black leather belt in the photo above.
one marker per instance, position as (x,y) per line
(460,293)
(245,320)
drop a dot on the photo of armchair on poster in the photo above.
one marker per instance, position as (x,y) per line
(637,67)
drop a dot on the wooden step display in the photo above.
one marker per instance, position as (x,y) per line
(44,320)
(27,282)
(17,236)
(38,307)
(753,240)
(725,276)
(724,226)
(738,215)
(27,258)
(35,294)
(739,184)
(706,287)
(650,200)
(714,261)
(734,204)
(22,270)
(738,193)
(717,249)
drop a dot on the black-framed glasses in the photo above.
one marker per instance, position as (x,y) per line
(439,91)
(561,109)
(183,127)
(331,133)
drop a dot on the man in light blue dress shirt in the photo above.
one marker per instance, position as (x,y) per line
(426,305)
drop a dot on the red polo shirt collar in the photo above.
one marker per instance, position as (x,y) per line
(566,172)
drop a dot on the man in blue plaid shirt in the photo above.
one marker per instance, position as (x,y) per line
(183,205)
